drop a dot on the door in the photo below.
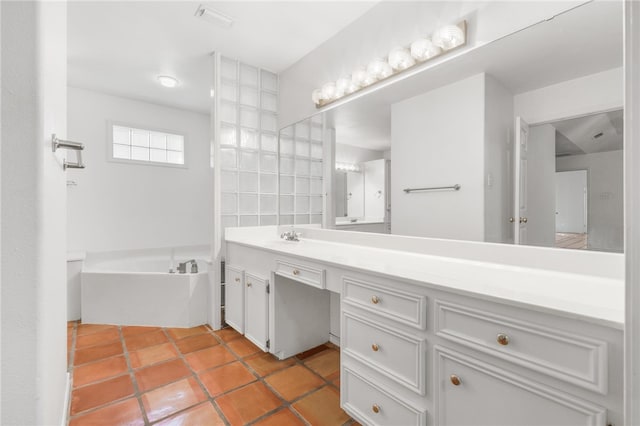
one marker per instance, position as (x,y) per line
(257,310)
(234,298)
(521,198)
(571,202)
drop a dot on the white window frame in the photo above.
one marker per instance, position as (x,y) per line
(112,159)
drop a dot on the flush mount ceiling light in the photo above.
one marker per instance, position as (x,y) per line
(214,16)
(168,81)
(400,59)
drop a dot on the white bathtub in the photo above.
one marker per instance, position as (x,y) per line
(136,288)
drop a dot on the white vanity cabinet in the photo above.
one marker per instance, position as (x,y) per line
(427,343)
(234,298)
(247,304)
(424,356)
(256,310)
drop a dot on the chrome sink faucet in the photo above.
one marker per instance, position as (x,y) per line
(291,235)
(182,267)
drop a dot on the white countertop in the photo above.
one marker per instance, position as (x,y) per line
(593,298)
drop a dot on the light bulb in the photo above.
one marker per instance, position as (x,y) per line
(329,91)
(448,37)
(369,79)
(400,59)
(342,85)
(423,49)
(375,68)
(351,88)
(316,96)
(359,76)
(386,71)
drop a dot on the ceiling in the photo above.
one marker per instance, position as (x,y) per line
(120,47)
(584,41)
(578,135)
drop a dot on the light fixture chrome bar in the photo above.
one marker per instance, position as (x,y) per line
(455,187)
(61,143)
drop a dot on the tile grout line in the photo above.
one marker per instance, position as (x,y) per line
(284,404)
(197,378)
(136,389)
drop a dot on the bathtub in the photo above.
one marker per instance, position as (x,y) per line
(136,288)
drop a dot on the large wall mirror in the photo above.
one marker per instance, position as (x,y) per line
(515,141)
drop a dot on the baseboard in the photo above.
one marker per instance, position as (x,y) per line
(334,339)
(67,399)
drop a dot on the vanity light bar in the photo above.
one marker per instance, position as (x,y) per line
(347,167)
(400,59)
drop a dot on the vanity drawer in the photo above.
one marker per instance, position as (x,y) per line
(305,274)
(473,392)
(405,307)
(566,356)
(399,356)
(372,405)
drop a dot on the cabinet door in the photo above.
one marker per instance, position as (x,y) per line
(257,310)
(234,298)
(471,392)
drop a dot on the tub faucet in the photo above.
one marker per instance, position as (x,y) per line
(291,235)
(182,267)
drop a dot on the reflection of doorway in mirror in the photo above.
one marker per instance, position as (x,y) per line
(571,209)
(575,182)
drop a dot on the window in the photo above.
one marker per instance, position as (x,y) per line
(150,146)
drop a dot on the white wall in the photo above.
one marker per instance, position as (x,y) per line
(605,221)
(130,206)
(572,98)
(391,24)
(33,369)
(498,160)
(438,137)
(541,186)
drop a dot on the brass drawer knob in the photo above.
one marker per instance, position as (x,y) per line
(503,339)
(375,347)
(375,408)
(455,380)
(237,279)
(375,300)
(296,272)
(249,284)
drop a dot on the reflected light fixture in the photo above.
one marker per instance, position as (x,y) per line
(168,81)
(347,167)
(443,40)
(214,16)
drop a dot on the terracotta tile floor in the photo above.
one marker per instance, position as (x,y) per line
(195,376)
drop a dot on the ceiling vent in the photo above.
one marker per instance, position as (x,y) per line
(214,16)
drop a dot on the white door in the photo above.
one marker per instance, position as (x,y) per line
(257,310)
(521,199)
(234,298)
(571,201)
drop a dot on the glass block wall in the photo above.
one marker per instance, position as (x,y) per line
(301,187)
(248,144)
